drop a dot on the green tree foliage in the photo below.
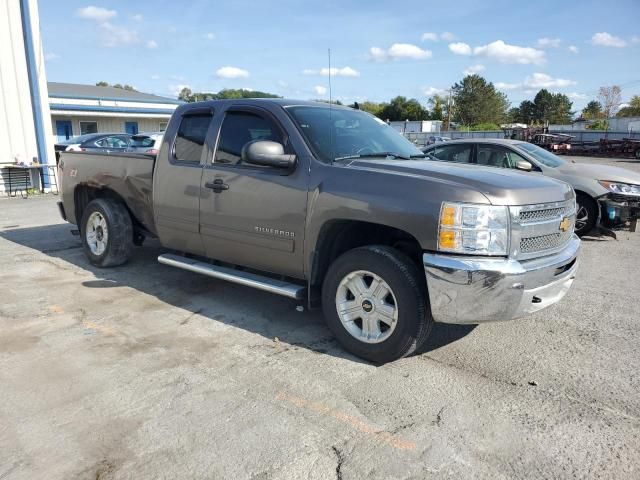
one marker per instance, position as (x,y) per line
(477,101)
(593,110)
(102,83)
(633,110)
(525,113)
(401,108)
(438,106)
(187,95)
(371,107)
(546,106)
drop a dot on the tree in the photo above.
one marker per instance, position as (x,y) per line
(592,111)
(610,98)
(186,95)
(438,105)
(477,101)
(525,113)
(102,83)
(633,110)
(561,109)
(370,107)
(399,108)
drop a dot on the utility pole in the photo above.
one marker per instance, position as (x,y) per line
(449,111)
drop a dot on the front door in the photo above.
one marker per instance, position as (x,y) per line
(253,215)
(131,128)
(63,130)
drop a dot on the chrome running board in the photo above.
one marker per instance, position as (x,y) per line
(248,279)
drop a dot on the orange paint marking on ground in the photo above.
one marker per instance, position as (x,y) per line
(56,309)
(100,328)
(347,419)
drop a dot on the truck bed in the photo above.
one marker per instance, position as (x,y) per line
(128,175)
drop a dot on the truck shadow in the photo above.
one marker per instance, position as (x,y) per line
(271,316)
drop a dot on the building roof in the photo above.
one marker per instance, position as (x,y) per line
(93,92)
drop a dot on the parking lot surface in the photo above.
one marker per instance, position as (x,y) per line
(144,371)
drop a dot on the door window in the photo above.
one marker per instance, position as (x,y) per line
(112,142)
(453,153)
(497,156)
(191,136)
(240,128)
(88,127)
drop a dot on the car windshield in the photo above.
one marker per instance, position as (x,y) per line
(339,133)
(541,155)
(78,139)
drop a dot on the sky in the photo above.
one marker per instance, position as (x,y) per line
(379,49)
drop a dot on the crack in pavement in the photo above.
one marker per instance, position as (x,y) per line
(340,456)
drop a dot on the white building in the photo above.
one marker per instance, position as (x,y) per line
(417,126)
(80,109)
(25,128)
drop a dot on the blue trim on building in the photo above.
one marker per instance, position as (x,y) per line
(113,99)
(99,108)
(34,88)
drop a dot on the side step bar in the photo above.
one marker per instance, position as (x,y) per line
(248,279)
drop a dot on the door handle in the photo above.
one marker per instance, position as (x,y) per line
(217,185)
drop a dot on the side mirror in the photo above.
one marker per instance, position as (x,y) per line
(267,154)
(524,165)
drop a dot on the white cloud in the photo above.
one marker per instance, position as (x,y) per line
(210,36)
(507,86)
(447,36)
(430,36)
(474,69)
(506,53)
(605,39)
(399,50)
(152,44)
(51,56)
(137,17)
(542,80)
(546,42)
(535,82)
(116,36)
(176,89)
(335,72)
(98,14)
(576,96)
(155,77)
(460,48)
(320,90)
(232,72)
(431,91)
(573,49)
(635,39)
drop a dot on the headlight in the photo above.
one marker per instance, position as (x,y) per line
(623,188)
(473,229)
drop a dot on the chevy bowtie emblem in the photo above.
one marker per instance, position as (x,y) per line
(565,224)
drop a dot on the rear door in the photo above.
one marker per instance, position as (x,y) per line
(176,182)
(253,215)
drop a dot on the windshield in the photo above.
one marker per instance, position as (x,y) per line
(540,154)
(338,133)
(78,139)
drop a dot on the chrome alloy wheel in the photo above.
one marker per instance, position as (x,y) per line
(366,306)
(96,233)
(582,217)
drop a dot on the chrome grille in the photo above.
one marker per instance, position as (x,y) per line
(544,242)
(536,229)
(527,216)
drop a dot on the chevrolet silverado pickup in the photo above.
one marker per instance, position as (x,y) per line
(331,206)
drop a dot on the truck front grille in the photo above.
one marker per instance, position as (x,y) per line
(541,229)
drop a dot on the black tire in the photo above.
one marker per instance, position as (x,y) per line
(586,206)
(409,289)
(119,242)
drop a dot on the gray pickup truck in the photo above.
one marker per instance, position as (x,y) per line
(321,204)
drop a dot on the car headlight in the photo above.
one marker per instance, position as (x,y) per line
(473,229)
(623,188)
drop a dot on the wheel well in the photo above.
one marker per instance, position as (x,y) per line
(339,236)
(84,194)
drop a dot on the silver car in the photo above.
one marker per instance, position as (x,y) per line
(147,143)
(605,193)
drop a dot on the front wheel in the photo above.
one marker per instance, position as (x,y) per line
(375,303)
(107,232)
(586,214)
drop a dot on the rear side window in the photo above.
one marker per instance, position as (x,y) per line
(142,142)
(238,129)
(190,139)
(452,153)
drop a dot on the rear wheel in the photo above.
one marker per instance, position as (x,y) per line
(374,300)
(586,214)
(107,232)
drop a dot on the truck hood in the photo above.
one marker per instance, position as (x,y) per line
(499,186)
(600,172)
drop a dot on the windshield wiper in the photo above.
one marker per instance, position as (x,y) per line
(375,155)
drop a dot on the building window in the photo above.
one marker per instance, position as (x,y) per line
(88,127)
(163,126)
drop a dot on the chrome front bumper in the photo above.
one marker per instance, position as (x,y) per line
(464,289)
